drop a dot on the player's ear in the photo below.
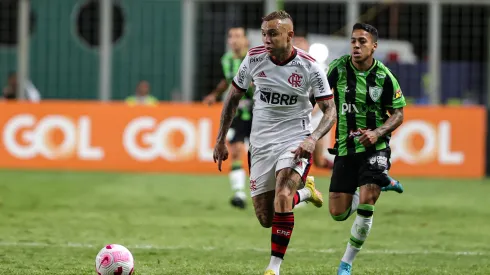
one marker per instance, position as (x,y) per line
(290,36)
(375,46)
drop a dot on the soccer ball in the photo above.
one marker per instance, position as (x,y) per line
(114,259)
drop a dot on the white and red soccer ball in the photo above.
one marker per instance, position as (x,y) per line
(114,259)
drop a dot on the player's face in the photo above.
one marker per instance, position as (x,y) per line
(362,45)
(301,43)
(275,36)
(237,39)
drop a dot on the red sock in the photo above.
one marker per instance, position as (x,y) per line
(282,228)
(296,199)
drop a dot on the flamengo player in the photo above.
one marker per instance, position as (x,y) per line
(281,141)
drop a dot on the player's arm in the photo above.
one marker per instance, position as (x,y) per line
(321,85)
(240,84)
(324,99)
(394,101)
(328,120)
(395,120)
(217,92)
(228,113)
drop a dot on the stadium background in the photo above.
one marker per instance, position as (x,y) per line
(439,50)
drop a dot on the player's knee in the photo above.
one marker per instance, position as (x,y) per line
(339,214)
(283,196)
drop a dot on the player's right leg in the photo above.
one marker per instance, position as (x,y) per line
(262,185)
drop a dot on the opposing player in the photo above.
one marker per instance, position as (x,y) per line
(365,92)
(242,122)
(281,139)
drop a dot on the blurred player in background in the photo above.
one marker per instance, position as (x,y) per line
(142,95)
(242,122)
(281,141)
(365,92)
(300,41)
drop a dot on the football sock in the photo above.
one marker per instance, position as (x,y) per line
(350,210)
(237,179)
(282,228)
(359,232)
(301,196)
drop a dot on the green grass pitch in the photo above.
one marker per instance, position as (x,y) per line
(56,222)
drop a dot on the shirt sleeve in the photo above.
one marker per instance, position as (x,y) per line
(392,93)
(319,83)
(242,79)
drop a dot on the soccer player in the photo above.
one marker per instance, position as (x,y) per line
(281,141)
(242,122)
(365,92)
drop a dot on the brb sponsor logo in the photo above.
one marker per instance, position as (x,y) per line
(349,108)
(278,98)
(173,139)
(420,142)
(52,137)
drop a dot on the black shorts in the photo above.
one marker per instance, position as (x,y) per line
(350,172)
(239,130)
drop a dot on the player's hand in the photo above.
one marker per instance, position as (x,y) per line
(209,99)
(305,149)
(368,137)
(220,154)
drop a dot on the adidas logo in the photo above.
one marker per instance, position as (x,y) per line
(262,74)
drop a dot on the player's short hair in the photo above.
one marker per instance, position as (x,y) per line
(277,15)
(366,27)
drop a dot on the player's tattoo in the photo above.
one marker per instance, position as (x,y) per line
(328,120)
(289,184)
(264,208)
(228,113)
(370,193)
(395,120)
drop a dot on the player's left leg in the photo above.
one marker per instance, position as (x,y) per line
(394,185)
(290,176)
(372,177)
(237,175)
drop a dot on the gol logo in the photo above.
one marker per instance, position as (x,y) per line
(434,143)
(52,137)
(173,139)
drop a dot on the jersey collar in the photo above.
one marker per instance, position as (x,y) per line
(290,58)
(375,62)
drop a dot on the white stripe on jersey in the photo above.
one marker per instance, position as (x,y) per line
(282,110)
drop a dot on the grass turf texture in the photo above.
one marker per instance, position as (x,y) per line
(56,222)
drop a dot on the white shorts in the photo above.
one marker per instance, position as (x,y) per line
(265,164)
